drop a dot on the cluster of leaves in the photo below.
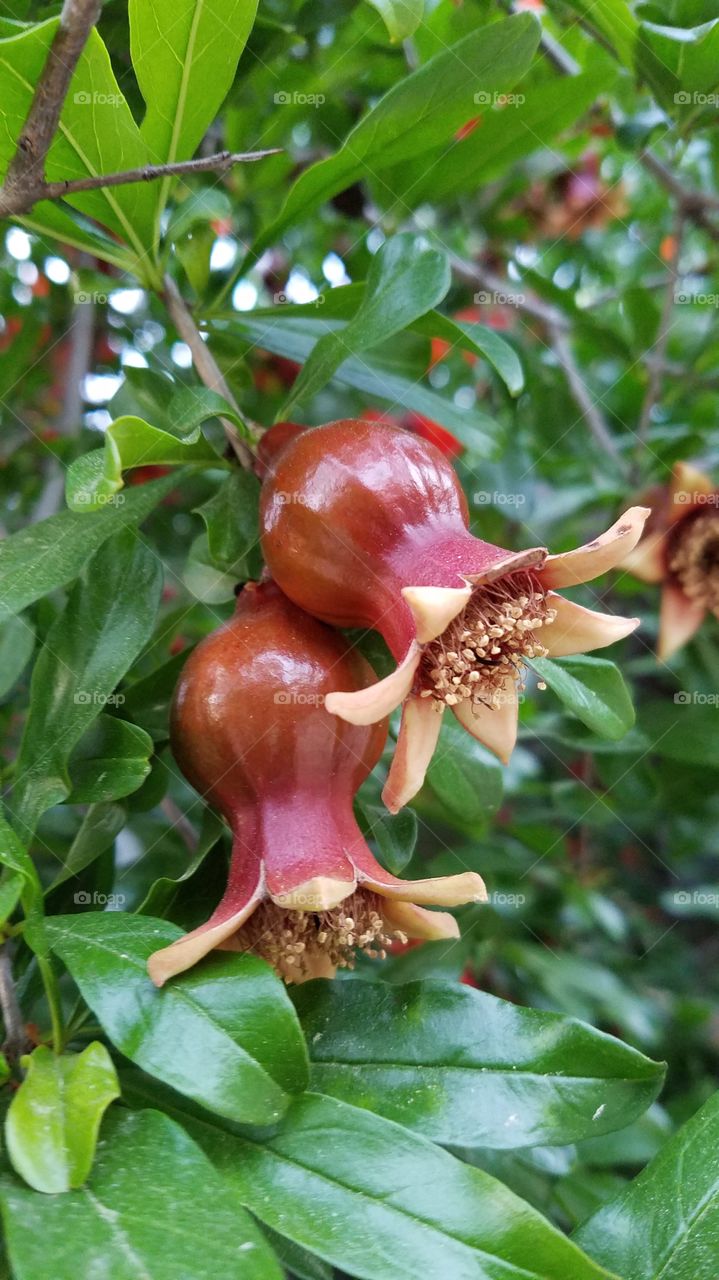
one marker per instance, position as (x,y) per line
(461,217)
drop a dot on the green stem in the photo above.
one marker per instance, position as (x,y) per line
(52,994)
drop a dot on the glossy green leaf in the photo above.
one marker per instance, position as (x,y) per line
(110,761)
(17,860)
(406,278)
(108,619)
(53,1121)
(17,641)
(232,520)
(97,133)
(11,887)
(387,1204)
(224,1034)
(394,833)
(680,728)
(95,477)
(423,109)
(665,1225)
(161,894)
(480,341)
(467,1069)
(593,689)
(99,827)
(184,53)
(154,1209)
(464,775)
(401,17)
(614,20)
(53,552)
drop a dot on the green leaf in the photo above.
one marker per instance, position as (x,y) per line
(53,1121)
(52,553)
(15,857)
(420,111)
(682,729)
(94,478)
(665,1225)
(97,134)
(108,619)
(395,834)
(110,761)
(161,894)
(593,689)
(232,519)
(481,341)
(422,1212)
(467,1069)
(406,278)
(615,21)
(184,54)
(401,17)
(377,375)
(17,641)
(154,1209)
(224,1034)
(464,775)
(101,824)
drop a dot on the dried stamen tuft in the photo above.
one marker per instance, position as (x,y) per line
(487,643)
(695,559)
(293,942)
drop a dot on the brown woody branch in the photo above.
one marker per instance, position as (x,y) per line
(27,167)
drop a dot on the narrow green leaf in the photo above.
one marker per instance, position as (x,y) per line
(50,554)
(17,641)
(395,834)
(154,1209)
(110,761)
(54,1118)
(665,1225)
(467,1069)
(232,519)
(464,775)
(406,278)
(101,824)
(108,619)
(224,1034)
(401,17)
(593,689)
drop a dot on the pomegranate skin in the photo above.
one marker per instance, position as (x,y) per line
(353,512)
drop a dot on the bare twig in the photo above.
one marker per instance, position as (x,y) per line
(27,167)
(205,364)
(15,1037)
(219,163)
(557,327)
(180,822)
(692,204)
(656,365)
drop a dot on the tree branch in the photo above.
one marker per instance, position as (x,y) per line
(15,1037)
(27,167)
(692,204)
(205,364)
(656,364)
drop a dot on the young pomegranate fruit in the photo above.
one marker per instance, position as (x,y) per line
(680,550)
(366,525)
(251,733)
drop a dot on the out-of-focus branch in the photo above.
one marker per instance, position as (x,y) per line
(656,365)
(15,1038)
(27,167)
(218,163)
(205,364)
(692,204)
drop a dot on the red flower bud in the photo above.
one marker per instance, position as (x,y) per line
(250,731)
(366,525)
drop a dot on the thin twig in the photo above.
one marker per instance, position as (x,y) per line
(27,167)
(692,204)
(656,365)
(15,1036)
(220,162)
(205,364)
(180,823)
